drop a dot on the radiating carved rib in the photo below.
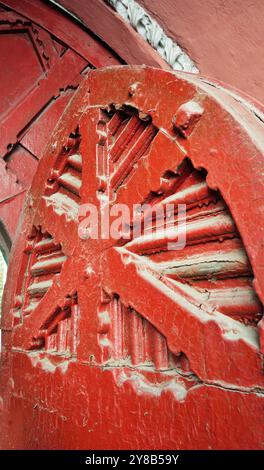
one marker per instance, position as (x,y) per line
(62,335)
(207,220)
(51,324)
(127,134)
(63,186)
(74,326)
(50,265)
(141,141)
(70,181)
(43,258)
(237,301)
(46,245)
(39,288)
(121,140)
(197,231)
(141,184)
(161,353)
(136,333)
(75,161)
(117,315)
(31,306)
(172,308)
(54,297)
(63,204)
(58,334)
(115,122)
(133,340)
(194,193)
(154,218)
(206,265)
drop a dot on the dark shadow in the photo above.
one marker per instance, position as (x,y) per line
(5,241)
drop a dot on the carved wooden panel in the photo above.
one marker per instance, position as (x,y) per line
(160,343)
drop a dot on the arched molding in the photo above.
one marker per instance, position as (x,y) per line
(152,32)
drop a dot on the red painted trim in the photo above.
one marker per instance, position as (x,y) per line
(58,78)
(114,31)
(64,29)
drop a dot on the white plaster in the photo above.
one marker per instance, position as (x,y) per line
(89,270)
(105,342)
(143,386)
(151,31)
(45,363)
(104,317)
(227,324)
(73,181)
(31,306)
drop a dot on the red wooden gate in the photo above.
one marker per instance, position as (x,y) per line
(130,342)
(44,56)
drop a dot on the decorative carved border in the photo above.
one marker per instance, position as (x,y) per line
(151,31)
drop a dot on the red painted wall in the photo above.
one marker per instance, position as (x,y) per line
(223,37)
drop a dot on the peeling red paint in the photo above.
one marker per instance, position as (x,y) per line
(46,55)
(128,344)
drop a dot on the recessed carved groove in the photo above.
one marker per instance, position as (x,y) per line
(65,180)
(59,333)
(129,340)
(213,261)
(152,32)
(123,138)
(43,259)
